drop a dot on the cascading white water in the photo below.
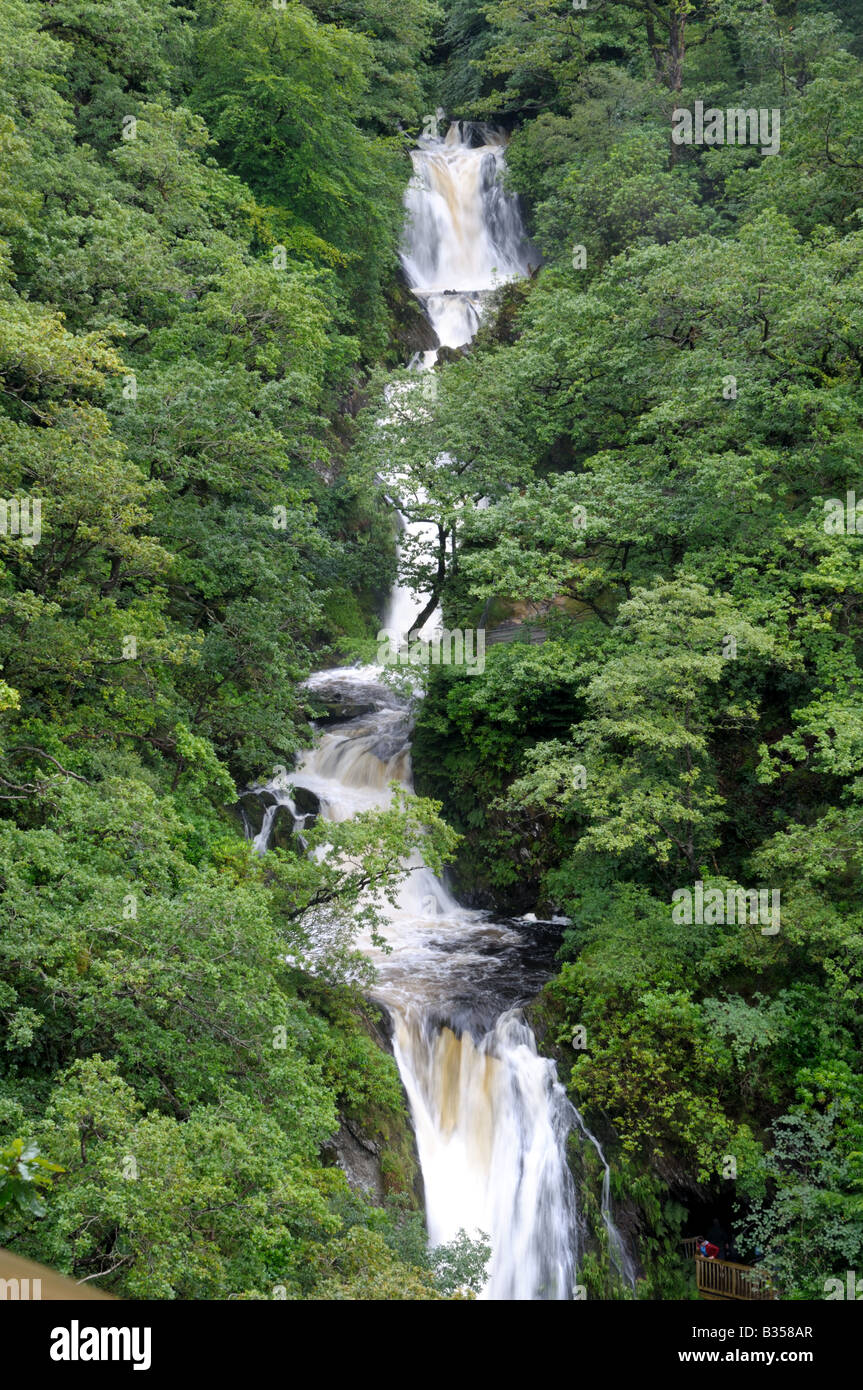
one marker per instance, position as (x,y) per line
(464,235)
(490,1116)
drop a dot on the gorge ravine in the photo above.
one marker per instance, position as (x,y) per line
(491,1119)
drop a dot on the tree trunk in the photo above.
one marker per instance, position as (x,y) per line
(437,587)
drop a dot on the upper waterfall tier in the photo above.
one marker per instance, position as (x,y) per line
(463,235)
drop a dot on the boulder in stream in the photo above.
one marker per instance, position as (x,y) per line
(292,811)
(347,696)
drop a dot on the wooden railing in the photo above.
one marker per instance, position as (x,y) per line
(727,1279)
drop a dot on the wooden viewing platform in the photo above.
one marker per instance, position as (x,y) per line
(726,1279)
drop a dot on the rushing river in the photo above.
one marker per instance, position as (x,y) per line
(490,1116)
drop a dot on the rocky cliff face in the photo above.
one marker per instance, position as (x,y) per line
(411,331)
(376,1150)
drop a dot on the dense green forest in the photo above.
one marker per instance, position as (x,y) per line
(201,305)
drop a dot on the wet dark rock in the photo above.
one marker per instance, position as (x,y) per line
(452,354)
(254,805)
(478,133)
(250,809)
(359,1158)
(282,830)
(307,804)
(412,331)
(342,699)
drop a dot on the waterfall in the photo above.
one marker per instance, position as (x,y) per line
(491,1123)
(463,234)
(491,1118)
